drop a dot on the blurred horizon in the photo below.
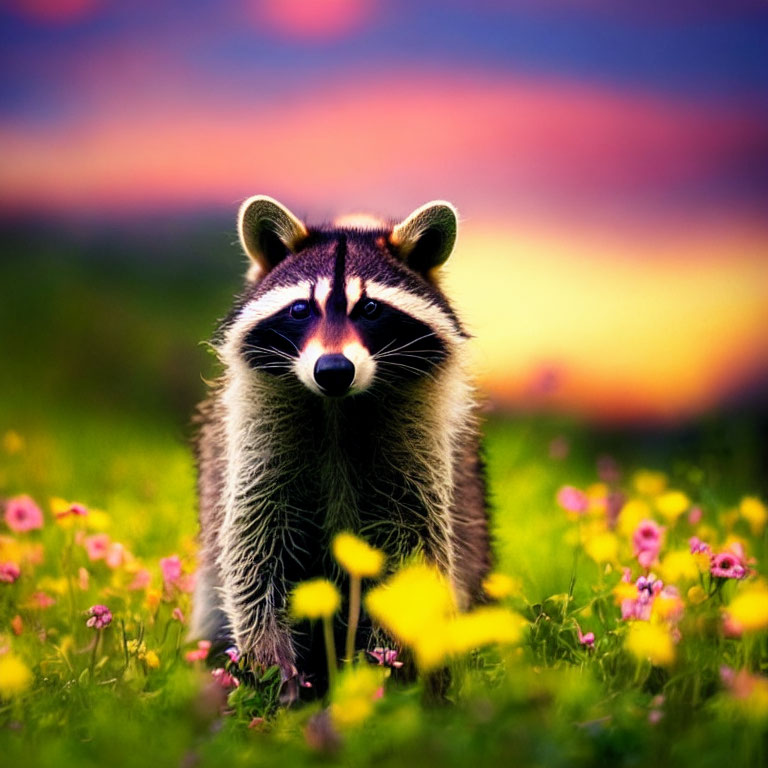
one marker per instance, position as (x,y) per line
(609,162)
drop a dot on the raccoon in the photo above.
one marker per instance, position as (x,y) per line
(344,405)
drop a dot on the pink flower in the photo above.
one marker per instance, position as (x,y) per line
(74,510)
(727,566)
(186,582)
(100,617)
(698,546)
(656,714)
(224,679)
(171,569)
(646,542)
(695,515)
(640,607)
(141,580)
(385,657)
(233,653)
(22,514)
(572,499)
(96,546)
(178,615)
(41,600)
(200,653)
(588,639)
(9,572)
(116,555)
(740,684)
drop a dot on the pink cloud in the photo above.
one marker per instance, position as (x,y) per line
(55,11)
(310,19)
(372,141)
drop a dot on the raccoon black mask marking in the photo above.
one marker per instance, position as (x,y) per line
(344,405)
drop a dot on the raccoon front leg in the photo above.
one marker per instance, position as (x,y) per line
(254,591)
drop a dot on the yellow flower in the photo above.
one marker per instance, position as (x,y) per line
(97,520)
(484,626)
(135,648)
(416,600)
(154,596)
(650,642)
(499,585)
(596,495)
(667,608)
(602,547)
(649,483)
(624,591)
(15,676)
(631,515)
(315,599)
(58,586)
(703,561)
(696,595)
(755,513)
(416,605)
(672,504)
(13,442)
(356,557)
(749,609)
(355,694)
(10,549)
(680,566)
(151,659)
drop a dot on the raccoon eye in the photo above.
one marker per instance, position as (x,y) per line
(370,309)
(300,310)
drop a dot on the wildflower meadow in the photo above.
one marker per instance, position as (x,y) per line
(626,621)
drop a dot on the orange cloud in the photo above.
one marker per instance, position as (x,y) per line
(666,331)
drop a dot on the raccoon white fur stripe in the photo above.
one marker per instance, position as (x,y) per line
(344,404)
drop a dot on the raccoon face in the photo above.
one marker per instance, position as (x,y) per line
(343,309)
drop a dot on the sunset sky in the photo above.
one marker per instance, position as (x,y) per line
(609,160)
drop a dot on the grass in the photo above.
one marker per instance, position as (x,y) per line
(551,702)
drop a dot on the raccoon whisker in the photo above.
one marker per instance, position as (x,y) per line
(267,351)
(418,371)
(389,343)
(410,353)
(283,336)
(274,364)
(403,346)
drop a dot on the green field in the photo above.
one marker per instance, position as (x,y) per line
(102,369)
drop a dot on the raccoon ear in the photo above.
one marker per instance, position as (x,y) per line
(426,238)
(268,233)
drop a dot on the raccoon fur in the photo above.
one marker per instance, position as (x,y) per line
(344,405)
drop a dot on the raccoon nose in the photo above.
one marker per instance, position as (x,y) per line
(334,374)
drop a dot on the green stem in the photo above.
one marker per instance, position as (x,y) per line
(94,651)
(354,616)
(330,650)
